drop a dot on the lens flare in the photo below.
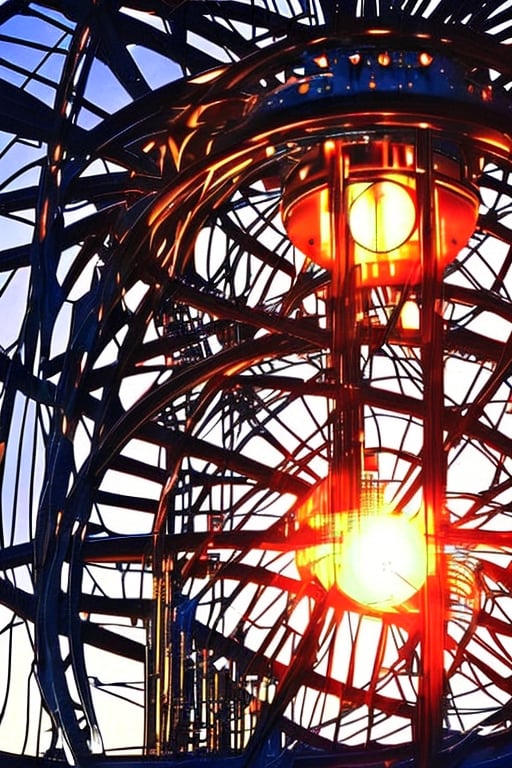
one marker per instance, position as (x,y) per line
(376,557)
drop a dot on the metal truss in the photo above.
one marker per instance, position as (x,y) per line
(167,404)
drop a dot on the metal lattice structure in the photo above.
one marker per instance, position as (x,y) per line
(167,396)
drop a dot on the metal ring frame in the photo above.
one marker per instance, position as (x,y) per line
(166,401)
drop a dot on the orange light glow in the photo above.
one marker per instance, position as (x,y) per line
(425,59)
(322,61)
(380,207)
(372,206)
(410,316)
(384,59)
(374,556)
(207,77)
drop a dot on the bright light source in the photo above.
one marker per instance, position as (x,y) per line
(425,59)
(384,561)
(382,215)
(322,61)
(384,59)
(380,202)
(410,315)
(373,555)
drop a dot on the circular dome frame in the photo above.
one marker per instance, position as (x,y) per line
(167,329)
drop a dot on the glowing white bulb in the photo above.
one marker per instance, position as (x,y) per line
(384,561)
(382,215)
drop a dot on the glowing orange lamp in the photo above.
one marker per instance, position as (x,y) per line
(367,206)
(379,206)
(375,556)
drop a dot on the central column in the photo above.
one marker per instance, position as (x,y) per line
(433,612)
(346,415)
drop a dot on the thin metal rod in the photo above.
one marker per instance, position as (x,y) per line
(431,682)
(345,358)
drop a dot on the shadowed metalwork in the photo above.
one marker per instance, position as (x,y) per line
(169,402)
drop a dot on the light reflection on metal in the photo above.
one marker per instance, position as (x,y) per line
(170,385)
(380,179)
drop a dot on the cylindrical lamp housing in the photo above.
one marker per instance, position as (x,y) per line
(381,207)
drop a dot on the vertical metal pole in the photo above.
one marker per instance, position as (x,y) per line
(345,362)
(431,682)
(154,657)
(149,693)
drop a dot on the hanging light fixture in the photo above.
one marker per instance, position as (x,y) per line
(358,208)
(380,180)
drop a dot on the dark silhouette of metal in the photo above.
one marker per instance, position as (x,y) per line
(167,388)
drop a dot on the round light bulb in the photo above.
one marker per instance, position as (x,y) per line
(384,561)
(377,557)
(382,215)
